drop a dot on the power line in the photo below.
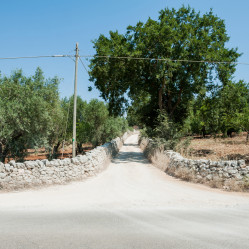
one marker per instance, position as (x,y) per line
(83,65)
(162,59)
(33,57)
(71,58)
(123,57)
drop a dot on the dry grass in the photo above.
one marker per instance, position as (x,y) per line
(184,174)
(233,185)
(230,185)
(234,148)
(215,183)
(159,159)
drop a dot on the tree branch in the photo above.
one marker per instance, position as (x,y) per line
(178,101)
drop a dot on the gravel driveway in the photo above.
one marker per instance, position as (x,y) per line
(131,204)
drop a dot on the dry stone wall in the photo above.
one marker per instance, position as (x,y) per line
(14,175)
(227,174)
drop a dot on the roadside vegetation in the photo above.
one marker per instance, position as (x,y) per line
(179,88)
(32,116)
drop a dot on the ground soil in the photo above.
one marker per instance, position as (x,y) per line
(42,154)
(231,148)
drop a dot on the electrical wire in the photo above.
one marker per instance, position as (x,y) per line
(83,64)
(33,57)
(71,58)
(161,59)
(124,57)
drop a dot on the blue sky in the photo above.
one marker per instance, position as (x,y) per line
(45,27)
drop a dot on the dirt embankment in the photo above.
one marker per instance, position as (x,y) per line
(41,153)
(215,149)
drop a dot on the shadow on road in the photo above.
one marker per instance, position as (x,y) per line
(128,157)
(128,144)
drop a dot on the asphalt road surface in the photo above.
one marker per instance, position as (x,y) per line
(130,205)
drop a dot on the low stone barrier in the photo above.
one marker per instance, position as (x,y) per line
(230,175)
(14,175)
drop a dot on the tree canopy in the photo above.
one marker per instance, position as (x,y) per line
(178,37)
(223,110)
(29,112)
(33,116)
(94,123)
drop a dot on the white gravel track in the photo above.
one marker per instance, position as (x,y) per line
(131,204)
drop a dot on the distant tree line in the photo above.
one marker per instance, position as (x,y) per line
(32,115)
(224,110)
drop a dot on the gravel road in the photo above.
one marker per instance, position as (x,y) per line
(131,204)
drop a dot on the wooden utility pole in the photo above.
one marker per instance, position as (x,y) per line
(75,99)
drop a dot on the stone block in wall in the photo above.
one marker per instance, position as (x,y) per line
(7,167)
(66,161)
(2,168)
(55,162)
(82,159)
(209,177)
(12,163)
(20,165)
(7,179)
(75,161)
(232,171)
(213,164)
(31,164)
(238,176)
(3,175)
(48,163)
(242,163)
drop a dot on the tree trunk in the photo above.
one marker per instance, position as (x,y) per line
(160,95)
(247,137)
(203,130)
(177,103)
(55,150)
(3,153)
(79,148)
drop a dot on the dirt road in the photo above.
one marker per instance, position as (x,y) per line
(132,204)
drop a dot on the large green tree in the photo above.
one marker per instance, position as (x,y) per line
(165,84)
(29,111)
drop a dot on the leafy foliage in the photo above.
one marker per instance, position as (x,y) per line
(33,116)
(29,110)
(94,123)
(67,107)
(226,109)
(166,135)
(98,126)
(91,127)
(166,85)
